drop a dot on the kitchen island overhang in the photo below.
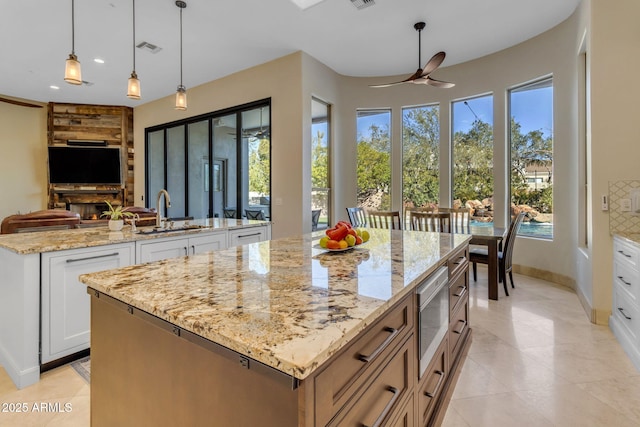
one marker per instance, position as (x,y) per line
(285,305)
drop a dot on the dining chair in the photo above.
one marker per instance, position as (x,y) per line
(357,217)
(460,217)
(430,221)
(229,212)
(385,219)
(254,214)
(315,217)
(407,213)
(481,255)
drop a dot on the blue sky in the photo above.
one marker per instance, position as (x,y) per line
(529,107)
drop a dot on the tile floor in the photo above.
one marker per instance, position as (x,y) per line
(535,360)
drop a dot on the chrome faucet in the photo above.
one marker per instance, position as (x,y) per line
(167,204)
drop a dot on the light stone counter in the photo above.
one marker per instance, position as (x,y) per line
(58,240)
(631,237)
(286,302)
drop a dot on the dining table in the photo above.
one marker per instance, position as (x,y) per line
(491,237)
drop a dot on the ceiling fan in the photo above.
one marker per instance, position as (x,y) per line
(422,75)
(259,134)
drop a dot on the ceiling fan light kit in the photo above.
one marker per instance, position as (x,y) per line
(422,75)
(72,71)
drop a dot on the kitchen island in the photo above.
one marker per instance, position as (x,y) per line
(277,333)
(44,311)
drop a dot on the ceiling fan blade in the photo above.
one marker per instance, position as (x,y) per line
(433,63)
(411,78)
(438,83)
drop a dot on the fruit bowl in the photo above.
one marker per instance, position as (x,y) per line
(343,237)
(348,248)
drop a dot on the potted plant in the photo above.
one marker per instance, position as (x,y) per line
(116,216)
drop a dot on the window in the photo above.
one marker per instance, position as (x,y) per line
(374,159)
(214,165)
(420,146)
(472,157)
(531,142)
(320,151)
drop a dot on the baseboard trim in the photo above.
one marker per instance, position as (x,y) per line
(549,276)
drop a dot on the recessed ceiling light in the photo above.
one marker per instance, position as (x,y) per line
(54,87)
(305,4)
(98,60)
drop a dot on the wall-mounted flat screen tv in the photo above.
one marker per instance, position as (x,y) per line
(84,165)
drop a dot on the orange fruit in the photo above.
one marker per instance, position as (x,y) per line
(343,244)
(333,244)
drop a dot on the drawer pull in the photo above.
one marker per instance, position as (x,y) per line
(624,281)
(385,344)
(248,235)
(464,325)
(387,409)
(622,252)
(92,257)
(461,259)
(460,292)
(193,249)
(437,387)
(621,310)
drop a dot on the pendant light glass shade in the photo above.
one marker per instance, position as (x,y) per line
(181,98)
(72,72)
(181,93)
(133,88)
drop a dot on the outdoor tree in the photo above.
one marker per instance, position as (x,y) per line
(374,166)
(473,162)
(259,165)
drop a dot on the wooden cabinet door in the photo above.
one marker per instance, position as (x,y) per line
(65,322)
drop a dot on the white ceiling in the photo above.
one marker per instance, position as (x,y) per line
(225,36)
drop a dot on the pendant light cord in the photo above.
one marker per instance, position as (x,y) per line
(73,31)
(134,36)
(181,46)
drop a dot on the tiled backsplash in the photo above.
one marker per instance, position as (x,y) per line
(619,221)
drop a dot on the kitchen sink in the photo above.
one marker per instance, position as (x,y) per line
(155,230)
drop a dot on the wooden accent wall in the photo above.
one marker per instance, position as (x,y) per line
(113,124)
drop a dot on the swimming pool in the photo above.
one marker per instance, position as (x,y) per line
(540,230)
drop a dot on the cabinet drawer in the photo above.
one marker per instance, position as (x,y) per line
(247,235)
(458,289)
(405,416)
(382,398)
(346,373)
(626,312)
(625,253)
(627,278)
(458,261)
(432,383)
(458,328)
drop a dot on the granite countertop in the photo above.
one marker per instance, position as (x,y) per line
(632,237)
(58,240)
(286,303)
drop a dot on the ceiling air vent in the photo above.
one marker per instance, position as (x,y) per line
(361,4)
(148,47)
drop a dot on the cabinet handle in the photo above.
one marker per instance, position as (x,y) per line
(186,251)
(622,252)
(437,387)
(387,409)
(464,290)
(460,262)
(92,257)
(382,346)
(622,311)
(464,326)
(624,281)
(248,235)
(193,249)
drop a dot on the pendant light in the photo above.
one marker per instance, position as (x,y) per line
(72,73)
(133,88)
(181,93)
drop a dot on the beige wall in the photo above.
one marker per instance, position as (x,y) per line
(23,143)
(614,61)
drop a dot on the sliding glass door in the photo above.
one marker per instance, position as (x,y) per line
(214,165)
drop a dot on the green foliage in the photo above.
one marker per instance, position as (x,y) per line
(115,213)
(319,162)
(473,162)
(259,165)
(374,165)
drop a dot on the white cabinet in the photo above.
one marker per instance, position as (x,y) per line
(171,247)
(65,303)
(243,236)
(625,316)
